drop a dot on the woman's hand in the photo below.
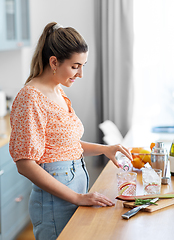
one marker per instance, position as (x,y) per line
(111,150)
(94,199)
(93,149)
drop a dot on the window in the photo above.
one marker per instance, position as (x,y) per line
(154,62)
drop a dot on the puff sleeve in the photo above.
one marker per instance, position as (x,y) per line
(28,120)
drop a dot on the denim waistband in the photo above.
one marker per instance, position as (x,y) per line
(62,164)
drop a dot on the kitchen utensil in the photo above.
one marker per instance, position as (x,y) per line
(165,179)
(159,156)
(162,203)
(135,210)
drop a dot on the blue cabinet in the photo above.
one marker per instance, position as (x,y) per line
(14,24)
(14,195)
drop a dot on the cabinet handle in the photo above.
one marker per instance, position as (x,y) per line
(20,44)
(19,199)
(1,172)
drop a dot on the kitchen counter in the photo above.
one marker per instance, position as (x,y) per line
(106,223)
(5,130)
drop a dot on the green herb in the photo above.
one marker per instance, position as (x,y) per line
(139,201)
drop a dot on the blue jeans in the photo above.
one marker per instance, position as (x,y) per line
(50,214)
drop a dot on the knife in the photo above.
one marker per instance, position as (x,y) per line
(135,210)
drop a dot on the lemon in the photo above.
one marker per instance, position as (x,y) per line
(146,156)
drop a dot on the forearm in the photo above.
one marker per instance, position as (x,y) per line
(92,149)
(41,178)
(36,174)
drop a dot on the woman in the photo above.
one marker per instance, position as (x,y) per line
(46,134)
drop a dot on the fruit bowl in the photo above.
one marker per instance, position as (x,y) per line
(140,155)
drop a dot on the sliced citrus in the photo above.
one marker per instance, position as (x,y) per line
(152,188)
(130,191)
(127,188)
(127,184)
(122,190)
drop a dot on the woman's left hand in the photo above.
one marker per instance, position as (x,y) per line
(111,150)
(93,149)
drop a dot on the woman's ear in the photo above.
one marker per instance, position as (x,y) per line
(53,63)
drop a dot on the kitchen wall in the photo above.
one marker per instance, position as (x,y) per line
(83,15)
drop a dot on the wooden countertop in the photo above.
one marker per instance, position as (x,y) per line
(5,130)
(107,224)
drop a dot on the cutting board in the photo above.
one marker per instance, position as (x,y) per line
(162,203)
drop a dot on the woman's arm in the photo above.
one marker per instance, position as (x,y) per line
(36,174)
(93,149)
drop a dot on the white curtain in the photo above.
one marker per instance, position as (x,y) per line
(117,62)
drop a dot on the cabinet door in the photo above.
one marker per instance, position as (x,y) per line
(15,215)
(14,195)
(23,9)
(14,24)
(11,180)
(5,157)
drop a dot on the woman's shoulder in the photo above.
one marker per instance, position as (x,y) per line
(27,99)
(28,96)
(29,92)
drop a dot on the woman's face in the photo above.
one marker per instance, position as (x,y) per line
(70,69)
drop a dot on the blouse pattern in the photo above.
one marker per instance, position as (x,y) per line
(42,130)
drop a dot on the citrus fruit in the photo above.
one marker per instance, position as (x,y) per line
(136,149)
(130,191)
(122,190)
(126,184)
(127,188)
(152,145)
(151,188)
(146,156)
(137,163)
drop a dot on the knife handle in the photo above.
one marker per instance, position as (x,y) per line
(131,212)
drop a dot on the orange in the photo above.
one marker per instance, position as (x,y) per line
(136,149)
(152,145)
(137,163)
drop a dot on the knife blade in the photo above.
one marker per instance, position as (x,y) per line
(135,210)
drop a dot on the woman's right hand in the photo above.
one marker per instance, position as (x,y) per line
(36,174)
(94,199)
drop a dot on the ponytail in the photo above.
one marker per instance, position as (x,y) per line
(36,68)
(59,42)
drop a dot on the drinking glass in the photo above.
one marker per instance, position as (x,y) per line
(151,180)
(127,182)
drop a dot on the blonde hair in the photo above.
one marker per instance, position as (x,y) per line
(59,42)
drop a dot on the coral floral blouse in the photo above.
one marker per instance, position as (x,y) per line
(42,130)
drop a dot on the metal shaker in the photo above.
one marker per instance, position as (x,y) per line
(159,157)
